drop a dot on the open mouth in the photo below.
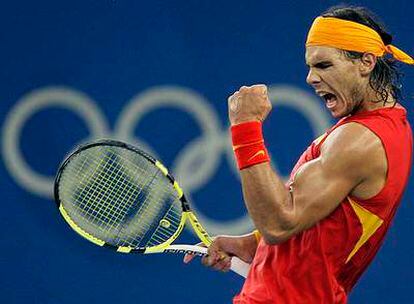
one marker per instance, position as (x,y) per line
(330,100)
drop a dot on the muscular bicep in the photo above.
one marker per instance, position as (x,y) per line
(317,189)
(347,160)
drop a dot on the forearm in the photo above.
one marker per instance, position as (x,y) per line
(249,243)
(268,201)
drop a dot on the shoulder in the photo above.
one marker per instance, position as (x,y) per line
(351,136)
(355,148)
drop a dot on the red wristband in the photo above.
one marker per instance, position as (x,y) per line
(248,144)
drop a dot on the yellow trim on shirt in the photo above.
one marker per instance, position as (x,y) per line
(257,235)
(370,223)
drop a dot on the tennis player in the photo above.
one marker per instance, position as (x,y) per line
(317,234)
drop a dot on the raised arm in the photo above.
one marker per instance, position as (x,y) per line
(319,186)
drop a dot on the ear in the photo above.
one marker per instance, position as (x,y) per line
(368,62)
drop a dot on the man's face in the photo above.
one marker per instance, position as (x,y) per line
(336,79)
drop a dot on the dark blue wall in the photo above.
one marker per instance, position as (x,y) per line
(158,75)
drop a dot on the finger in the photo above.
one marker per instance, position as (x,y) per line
(188,258)
(262,88)
(234,105)
(223,264)
(233,96)
(244,89)
(205,261)
(211,259)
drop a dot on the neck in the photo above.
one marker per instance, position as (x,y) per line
(373,101)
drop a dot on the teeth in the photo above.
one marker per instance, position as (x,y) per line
(326,96)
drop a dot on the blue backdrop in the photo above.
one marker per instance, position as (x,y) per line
(158,74)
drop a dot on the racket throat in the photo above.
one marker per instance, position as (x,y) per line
(199,230)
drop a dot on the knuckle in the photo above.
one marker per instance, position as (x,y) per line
(233,96)
(262,88)
(205,261)
(221,265)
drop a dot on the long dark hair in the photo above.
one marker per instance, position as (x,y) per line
(385,79)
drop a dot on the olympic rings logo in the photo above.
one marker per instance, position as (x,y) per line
(194,165)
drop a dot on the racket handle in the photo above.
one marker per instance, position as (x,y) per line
(240,267)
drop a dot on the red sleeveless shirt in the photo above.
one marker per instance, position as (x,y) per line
(323,263)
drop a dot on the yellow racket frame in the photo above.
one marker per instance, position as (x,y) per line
(187,215)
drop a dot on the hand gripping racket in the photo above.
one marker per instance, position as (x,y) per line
(119,197)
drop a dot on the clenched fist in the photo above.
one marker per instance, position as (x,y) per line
(248,104)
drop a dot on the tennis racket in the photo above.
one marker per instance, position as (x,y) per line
(119,197)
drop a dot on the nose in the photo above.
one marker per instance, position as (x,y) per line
(313,77)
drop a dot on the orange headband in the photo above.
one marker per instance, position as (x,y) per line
(351,36)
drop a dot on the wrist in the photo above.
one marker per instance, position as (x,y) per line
(248,144)
(240,120)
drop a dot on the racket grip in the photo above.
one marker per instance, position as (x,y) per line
(240,267)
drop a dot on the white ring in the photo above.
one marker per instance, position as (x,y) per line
(197,107)
(23,110)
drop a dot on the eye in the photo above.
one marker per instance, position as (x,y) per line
(323,65)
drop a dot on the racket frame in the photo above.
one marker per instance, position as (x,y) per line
(187,214)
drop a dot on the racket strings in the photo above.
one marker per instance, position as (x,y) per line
(167,226)
(120,197)
(101,189)
(107,195)
(160,213)
(96,198)
(76,187)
